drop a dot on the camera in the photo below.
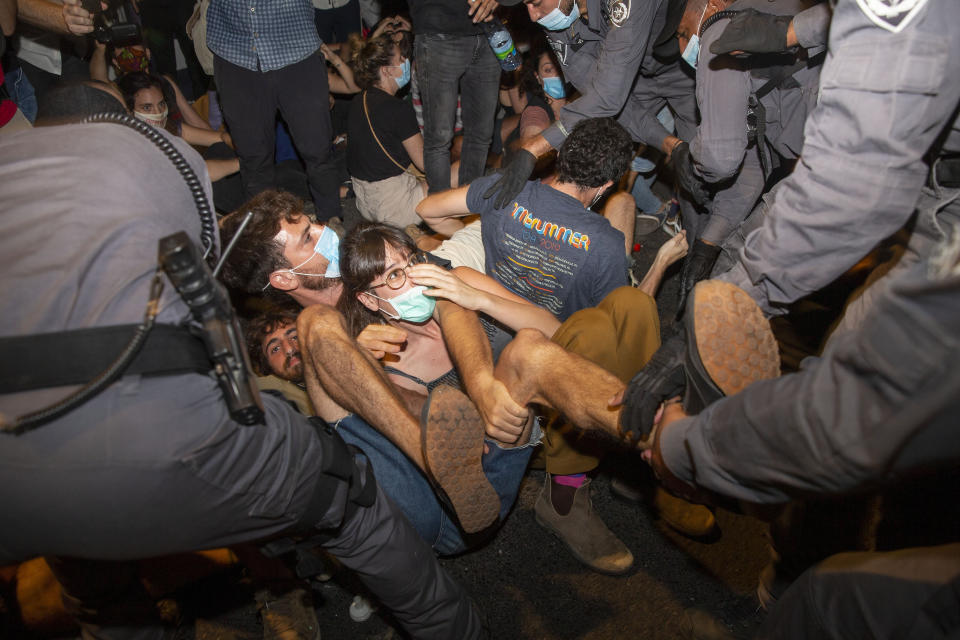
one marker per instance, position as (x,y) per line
(110,25)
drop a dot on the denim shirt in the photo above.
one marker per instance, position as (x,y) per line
(262,35)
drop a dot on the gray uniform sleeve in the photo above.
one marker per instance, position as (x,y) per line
(885,99)
(813,25)
(882,401)
(613,75)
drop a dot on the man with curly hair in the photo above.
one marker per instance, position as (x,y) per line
(548,247)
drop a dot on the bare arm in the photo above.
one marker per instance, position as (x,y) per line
(470,351)
(479,292)
(342,80)
(222,168)
(54,17)
(189,114)
(438,209)
(414,148)
(98,62)
(202,137)
(670,251)
(8,16)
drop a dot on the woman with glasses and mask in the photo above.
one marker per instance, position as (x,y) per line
(385,150)
(384,280)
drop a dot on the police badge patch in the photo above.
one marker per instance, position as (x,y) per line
(892,15)
(617,11)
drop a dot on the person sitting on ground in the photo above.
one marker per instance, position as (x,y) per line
(548,248)
(545,91)
(384,137)
(148,97)
(132,58)
(279,237)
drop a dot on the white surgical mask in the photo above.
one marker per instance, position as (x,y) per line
(159,120)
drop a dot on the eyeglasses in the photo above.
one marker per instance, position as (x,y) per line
(396,278)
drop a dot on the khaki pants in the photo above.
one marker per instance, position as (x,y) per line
(620,334)
(391,200)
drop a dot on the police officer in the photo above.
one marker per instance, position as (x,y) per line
(752,113)
(881,152)
(155,464)
(622,58)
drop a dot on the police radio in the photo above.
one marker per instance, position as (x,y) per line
(210,306)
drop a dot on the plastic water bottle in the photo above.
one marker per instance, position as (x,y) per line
(502,44)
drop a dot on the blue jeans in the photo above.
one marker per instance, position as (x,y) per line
(406,485)
(444,63)
(21,92)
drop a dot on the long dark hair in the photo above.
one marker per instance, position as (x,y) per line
(363,257)
(130,83)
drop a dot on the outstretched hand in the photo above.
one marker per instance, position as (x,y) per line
(512,179)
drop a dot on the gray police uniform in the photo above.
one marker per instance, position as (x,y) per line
(609,61)
(888,100)
(883,399)
(721,151)
(880,404)
(154,465)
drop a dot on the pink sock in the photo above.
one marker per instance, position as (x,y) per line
(574,480)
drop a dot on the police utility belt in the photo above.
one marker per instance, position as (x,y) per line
(946,172)
(75,357)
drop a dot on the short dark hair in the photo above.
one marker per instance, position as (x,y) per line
(363,256)
(257,328)
(597,150)
(257,253)
(75,100)
(375,53)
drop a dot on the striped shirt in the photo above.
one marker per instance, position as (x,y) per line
(262,35)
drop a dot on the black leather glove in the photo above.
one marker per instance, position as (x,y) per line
(753,32)
(689,181)
(512,179)
(661,379)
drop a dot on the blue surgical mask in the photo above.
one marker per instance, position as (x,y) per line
(328,246)
(411,305)
(404,74)
(556,20)
(554,87)
(692,51)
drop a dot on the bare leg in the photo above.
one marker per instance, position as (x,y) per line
(340,374)
(537,370)
(620,212)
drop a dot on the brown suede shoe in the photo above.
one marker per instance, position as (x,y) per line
(582,530)
(287,613)
(692,520)
(452,437)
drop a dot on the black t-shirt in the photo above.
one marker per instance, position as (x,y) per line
(393,120)
(430,17)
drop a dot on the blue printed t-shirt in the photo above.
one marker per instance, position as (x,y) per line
(546,247)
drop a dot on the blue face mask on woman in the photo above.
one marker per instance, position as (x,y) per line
(554,87)
(556,20)
(411,305)
(404,74)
